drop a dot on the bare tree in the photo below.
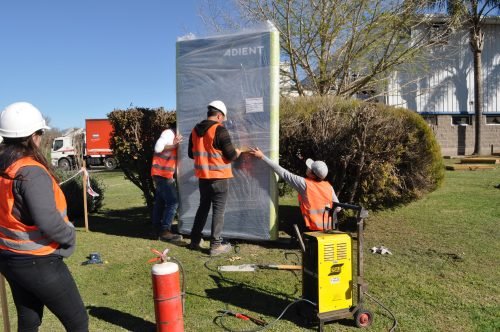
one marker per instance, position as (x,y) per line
(336,47)
(471,14)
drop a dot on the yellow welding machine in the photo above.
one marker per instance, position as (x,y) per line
(327,270)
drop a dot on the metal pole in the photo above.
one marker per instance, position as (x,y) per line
(85,197)
(361,272)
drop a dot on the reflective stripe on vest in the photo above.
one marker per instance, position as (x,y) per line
(164,163)
(317,196)
(16,236)
(209,162)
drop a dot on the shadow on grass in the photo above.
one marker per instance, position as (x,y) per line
(121,319)
(135,222)
(287,216)
(132,222)
(257,300)
(300,313)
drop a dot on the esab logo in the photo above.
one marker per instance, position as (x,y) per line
(243,51)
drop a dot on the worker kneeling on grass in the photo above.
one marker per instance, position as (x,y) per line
(315,193)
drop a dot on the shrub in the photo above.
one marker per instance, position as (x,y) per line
(135,133)
(73,191)
(378,156)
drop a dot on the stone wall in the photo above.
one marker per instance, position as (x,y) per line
(458,140)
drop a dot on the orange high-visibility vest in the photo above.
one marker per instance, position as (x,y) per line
(16,236)
(164,163)
(209,163)
(318,195)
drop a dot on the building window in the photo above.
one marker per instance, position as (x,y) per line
(431,120)
(493,119)
(439,33)
(461,120)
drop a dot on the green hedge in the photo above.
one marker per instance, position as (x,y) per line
(378,156)
(73,191)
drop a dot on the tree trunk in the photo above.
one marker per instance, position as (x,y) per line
(476,43)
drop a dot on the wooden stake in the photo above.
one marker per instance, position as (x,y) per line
(5,308)
(85,198)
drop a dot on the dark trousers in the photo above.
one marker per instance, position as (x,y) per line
(166,203)
(44,281)
(213,193)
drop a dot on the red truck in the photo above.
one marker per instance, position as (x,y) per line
(94,141)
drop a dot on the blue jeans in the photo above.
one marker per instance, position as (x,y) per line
(213,193)
(44,281)
(166,203)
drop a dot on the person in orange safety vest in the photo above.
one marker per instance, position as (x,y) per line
(35,233)
(212,150)
(315,193)
(163,168)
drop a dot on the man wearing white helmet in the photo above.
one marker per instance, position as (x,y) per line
(212,150)
(36,233)
(315,193)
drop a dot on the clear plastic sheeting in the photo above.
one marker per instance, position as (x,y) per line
(242,70)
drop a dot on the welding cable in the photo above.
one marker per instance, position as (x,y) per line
(380,304)
(261,328)
(183,276)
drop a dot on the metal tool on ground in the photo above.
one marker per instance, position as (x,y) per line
(244,317)
(327,274)
(93,258)
(255,267)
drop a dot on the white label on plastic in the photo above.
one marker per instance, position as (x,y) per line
(254,105)
(334,280)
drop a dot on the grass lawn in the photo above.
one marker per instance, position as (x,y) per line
(443,275)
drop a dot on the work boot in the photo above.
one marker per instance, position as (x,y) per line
(155,233)
(195,246)
(219,249)
(168,236)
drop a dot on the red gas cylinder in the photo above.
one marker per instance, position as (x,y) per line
(168,298)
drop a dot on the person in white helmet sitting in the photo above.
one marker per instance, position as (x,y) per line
(212,150)
(35,231)
(315,192)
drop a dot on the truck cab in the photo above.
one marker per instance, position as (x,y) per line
(63,151)
(91,145)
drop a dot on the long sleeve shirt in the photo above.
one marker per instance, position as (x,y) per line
(166,139)
(297,182)
(34,205)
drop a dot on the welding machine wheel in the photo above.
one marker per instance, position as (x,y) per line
(363,318)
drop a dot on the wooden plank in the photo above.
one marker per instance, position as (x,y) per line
(468,167)
(479,160)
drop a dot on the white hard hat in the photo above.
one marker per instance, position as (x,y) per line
(318,167)
(21,120)
(219,105)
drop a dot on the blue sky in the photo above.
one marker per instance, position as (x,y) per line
(76,60)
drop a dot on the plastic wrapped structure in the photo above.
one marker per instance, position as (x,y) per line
(242,70)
